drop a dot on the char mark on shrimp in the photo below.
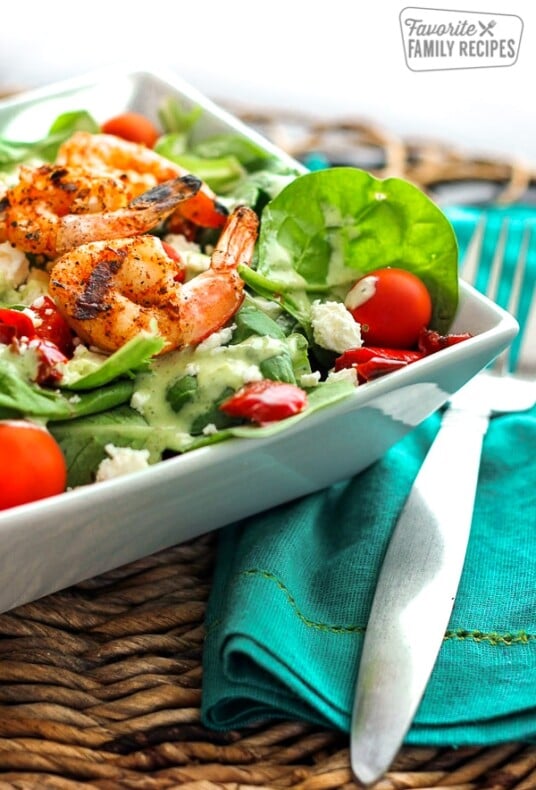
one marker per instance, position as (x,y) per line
(186,186)
(92,300)
(57,175)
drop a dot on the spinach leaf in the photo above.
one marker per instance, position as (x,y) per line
(258,188)
(328,227)
(181,391)
(250,320)
(278,368)
(97,400)
(214,416)
(83,441)
(220,173)
(14,153)
(245,151)
(129,359)
(175,119)
(18,396)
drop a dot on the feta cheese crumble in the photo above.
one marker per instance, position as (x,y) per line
(334,327)
(14,266)
(216,339)
(345,374)
(310,379)
(121,461)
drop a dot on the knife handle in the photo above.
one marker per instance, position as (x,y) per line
(415,593)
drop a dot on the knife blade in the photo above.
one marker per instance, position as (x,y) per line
(413,602)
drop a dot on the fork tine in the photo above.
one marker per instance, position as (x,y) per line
(497,263)
(473,253)
(526,360)
(503,363)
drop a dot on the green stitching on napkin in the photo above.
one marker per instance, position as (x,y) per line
(460,634)
(335,629)
(493,638)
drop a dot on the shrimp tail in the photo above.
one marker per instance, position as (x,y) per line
(210,300)
(140,216)
(166,196)
(237,239)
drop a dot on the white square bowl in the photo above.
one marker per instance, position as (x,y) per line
(53,543)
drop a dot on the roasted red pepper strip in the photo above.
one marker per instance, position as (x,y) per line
(50,356)
(431,341)
(356,356)
(371,362)
(52,326)
(16,326)
(376,367)
(15,323)
(265,401)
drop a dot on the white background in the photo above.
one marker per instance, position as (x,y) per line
(330,59)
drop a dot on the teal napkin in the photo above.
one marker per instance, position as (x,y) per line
(293,587)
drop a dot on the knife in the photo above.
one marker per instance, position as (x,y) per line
(410,613)
(414,596)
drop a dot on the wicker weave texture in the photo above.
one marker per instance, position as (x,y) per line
(100,687)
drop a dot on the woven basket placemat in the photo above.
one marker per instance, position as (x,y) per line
(100,687)
(100,684)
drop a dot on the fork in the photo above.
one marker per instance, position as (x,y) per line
(424,561)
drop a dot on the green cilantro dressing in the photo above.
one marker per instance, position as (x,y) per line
(25,361)
(217,372)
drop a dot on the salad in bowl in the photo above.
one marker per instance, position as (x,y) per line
(244,332)
(159,294)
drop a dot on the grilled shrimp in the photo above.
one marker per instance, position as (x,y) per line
(142,167)
(108,292)
(54,208)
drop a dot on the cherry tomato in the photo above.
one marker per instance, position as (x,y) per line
(132,126)
(32,465)
(397,309)
(265,401)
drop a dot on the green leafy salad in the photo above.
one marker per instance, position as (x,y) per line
(284,348)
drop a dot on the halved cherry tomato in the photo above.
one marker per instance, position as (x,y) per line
(397,309)
(32,465)
(265,401)
(132,126)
